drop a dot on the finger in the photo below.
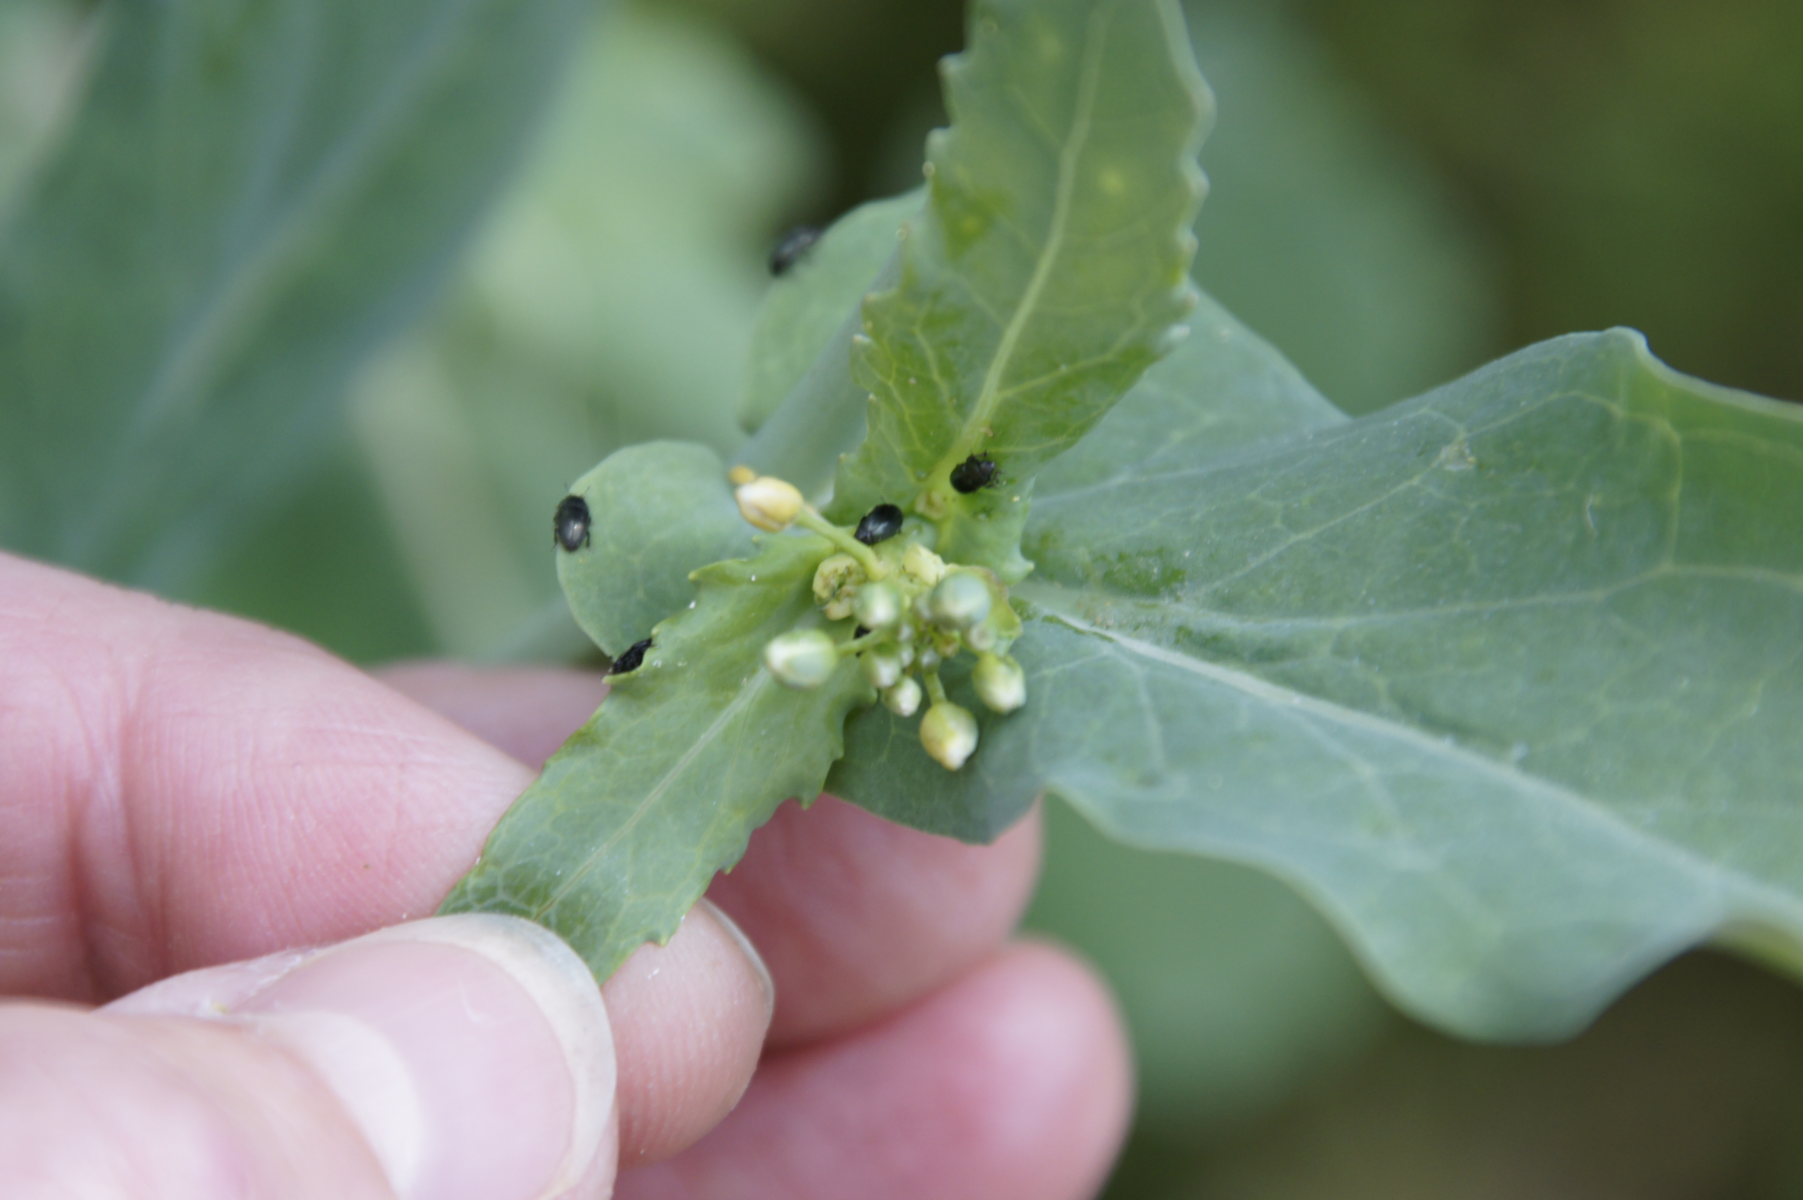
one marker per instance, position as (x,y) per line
(184,789)
(461,1057)
(526,711)
(1012,1082)
(858,917)
(688,1021)
(855,916)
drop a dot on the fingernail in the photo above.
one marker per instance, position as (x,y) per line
(473,1051)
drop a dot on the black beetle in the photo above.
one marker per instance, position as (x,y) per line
(977,471)
(570,526)
(879,524)
(791,246)
(629,661)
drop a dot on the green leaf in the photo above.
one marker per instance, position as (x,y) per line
(806,308)
(821,416)
(691,752)
(1047,269)
(658,512)
(1221,390)
(252,197)
(1506,679)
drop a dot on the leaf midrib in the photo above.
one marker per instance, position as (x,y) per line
(990,395)
(747,693)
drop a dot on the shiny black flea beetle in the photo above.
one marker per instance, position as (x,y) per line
(629,661)
(571,523)
(879,524)
(791,246)
(977,471)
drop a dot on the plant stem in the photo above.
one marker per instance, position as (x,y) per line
(812,521)
(857,644)
(935,689)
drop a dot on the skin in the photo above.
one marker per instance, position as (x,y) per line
(180,789)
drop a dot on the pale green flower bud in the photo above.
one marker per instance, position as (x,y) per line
(878,606)
(949,733)
(768,502)
(882,667)
(836,585)
(925,567)
(904,698)
(802,658)
(1000,683)
(961,600)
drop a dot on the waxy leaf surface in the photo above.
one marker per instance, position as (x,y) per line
(630,820)
(657,511)
(251,198)
(807,306)
(1506,678)
(1048,268)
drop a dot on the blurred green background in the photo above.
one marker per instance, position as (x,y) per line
(1402,190)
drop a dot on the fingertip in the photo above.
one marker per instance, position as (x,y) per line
(858,917)
(689,1024)
(472,1053)
(1012,1083)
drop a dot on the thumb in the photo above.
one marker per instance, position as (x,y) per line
(464,1056)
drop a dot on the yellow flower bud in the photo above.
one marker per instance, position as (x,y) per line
(768,502)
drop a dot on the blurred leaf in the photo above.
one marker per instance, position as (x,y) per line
(251,197)
(1686,1088)
(1503,678)
(1047,269)
(691,752)
(806,308)
(1325,231)
(1637,164)
(324,567)
(45,48)
(659,511)
(609,302)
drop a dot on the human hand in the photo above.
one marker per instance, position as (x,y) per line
(180,790)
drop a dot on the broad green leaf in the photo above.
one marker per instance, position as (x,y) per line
(658,511)
(806,308)
(1506,679)
(1221,390)
(1048,268)
(251,197)
(691,752)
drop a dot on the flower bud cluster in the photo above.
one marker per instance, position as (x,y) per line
(913,612)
